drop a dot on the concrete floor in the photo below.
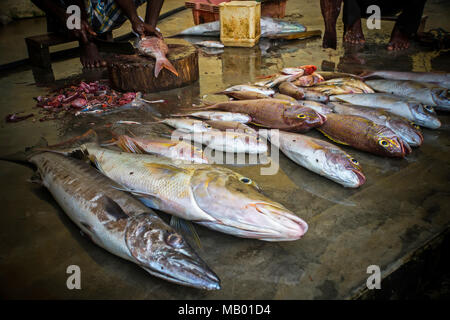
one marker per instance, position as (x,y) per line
(404,204)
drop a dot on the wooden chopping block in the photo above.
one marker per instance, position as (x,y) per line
(136,73)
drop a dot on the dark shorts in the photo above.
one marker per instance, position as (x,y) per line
(102,15)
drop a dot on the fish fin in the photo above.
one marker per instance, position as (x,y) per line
(186,228)
(333,139)
(164,63)
(140,195)
(96,163)
(113,208)
(258,125)
(164,169)
(36,178)
(127,144)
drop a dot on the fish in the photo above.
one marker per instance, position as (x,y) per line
(215,197)
(309,80)
(269,27)
(218,116)
(281,96)
(406,130)
(327,75)
(209,44)
(320,157)
(435,77)
(127,122)
(330,90)
(158,49)
(187,125)
(300,93)
(273,113)
(349,82)
(280,78)
(244,87)
(245,95)
(365,135)
(316,106)
(232,125)
(173,149)
(119,223)
(226,141)
(408,108)
(426,93)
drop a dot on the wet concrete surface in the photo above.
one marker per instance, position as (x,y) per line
(403,205)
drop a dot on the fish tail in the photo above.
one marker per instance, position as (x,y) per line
(164,63)
(21,157)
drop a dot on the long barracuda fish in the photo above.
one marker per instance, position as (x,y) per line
(215,197)
(427,93)
(443,79)
(408,108)
(269,27)
(401,126)
(319,156)
(118,222)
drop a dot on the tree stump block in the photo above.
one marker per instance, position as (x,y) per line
(136,73)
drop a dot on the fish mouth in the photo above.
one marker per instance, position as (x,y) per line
(361,177)
(190,274)
(416,140)
(406,148)
(287,226)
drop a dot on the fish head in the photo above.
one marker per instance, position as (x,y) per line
(344,169)
(163,252)
(441,97)
(237,206)
(304,117)
(388,143)
(424,115)
(410,132)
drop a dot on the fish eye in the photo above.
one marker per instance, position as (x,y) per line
(383,143)
(428,108)
(246,180)
(354,161)
(174,240)
(301,116)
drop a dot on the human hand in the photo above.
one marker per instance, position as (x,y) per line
(145,29)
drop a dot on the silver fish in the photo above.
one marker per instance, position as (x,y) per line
(234,142)
(232,125)
(209,44)
(319,156)
(401,126)
(411,109)
(269,27)
(219,116)
(121,224)
(435,77)
(215,197)
(427,93)
(245,87)
(187,125)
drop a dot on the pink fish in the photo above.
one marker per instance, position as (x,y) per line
(156,48)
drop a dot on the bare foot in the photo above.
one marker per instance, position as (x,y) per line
(354,34)
(90,57)
(399,40)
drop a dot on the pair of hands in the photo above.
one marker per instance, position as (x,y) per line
(85,33)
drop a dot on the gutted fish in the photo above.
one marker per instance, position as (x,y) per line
(156,48)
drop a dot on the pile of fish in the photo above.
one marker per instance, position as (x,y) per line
(93,97)
(113,205)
